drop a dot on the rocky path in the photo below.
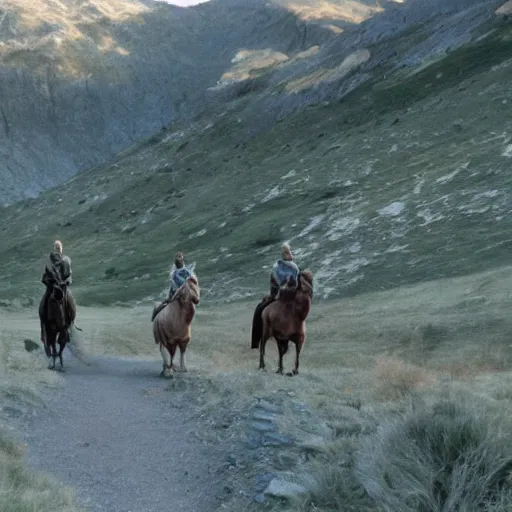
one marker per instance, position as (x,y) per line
(117,435)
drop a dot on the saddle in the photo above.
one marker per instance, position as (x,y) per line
(287,289)
(161,306)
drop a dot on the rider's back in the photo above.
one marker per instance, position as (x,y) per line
(283,270)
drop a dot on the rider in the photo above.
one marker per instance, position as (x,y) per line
(57,270)
(283,269)
(178,275)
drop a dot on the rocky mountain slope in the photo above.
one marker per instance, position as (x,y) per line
(404,179)
(82,80)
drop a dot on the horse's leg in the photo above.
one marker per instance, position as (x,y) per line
(282,346)
(43,333)
(52,342)
(173,353)
(183,348)
(63,338)
(47,348)
(166,356)
(263,342)
(299,342)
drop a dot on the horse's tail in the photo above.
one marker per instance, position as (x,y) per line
(76,347)
(257,323)
(257,327)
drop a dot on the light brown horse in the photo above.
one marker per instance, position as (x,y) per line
(60,316)
(284,319)
(172,325)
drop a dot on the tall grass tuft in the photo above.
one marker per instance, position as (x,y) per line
(453,456)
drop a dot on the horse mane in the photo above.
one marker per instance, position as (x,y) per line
(307,274)
(306,281)
(191,283)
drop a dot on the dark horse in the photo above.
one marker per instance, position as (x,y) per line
(284,319)
(60,315)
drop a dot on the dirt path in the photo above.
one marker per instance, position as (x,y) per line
(124,442)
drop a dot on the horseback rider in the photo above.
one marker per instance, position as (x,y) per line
(178,275)
(284,279)
(283,269)
(57,271)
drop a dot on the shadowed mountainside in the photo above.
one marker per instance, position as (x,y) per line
(80,81)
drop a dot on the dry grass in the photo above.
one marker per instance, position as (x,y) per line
(351,11)
(80,36)
(395,379)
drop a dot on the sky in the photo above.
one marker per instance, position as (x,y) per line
(185,3)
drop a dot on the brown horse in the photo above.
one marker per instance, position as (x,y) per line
(60,315)
(172,325)
(284,319)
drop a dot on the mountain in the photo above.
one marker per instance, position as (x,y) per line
(82,80)
(396,173)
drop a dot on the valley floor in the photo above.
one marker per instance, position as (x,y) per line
(128,440)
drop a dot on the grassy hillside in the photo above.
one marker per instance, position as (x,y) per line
(403,180)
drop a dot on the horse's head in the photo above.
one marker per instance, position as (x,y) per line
(58,292)
(189,291)
(306,282)
(288,288)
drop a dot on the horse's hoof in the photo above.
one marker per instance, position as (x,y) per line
(280,371)
(262,369)
(168,374)
(291,374)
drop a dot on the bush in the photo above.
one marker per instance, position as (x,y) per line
(450,457)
